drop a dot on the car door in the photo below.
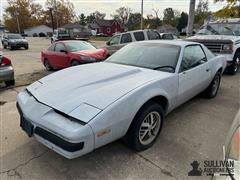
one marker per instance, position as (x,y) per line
(113,44)
(194,73)
(60,55)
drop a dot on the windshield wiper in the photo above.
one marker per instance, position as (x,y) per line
(160,67)
(228,28)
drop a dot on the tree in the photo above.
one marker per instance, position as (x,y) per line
(98,15)
(170,16)
(63,12)
(82,18)
(122,14)
(232,9)
(202,12)
(26,12)
(134,21)
(182,22)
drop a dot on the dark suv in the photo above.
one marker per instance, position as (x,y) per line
(14,41)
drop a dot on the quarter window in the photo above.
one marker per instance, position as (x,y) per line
(152,35)
(126,38)
(192,57)
(115,40)
(59,47)
(139,36)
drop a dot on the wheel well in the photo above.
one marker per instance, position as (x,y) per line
(237,50)
(161,100)
(220,70)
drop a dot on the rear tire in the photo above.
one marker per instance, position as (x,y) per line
(233,68)
(47,65)
(145,127)
(10,83)
(75,63)
(212,89)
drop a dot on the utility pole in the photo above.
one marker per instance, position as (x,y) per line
(51,14)
(191,17)
(56,13)
(142,15)
(16,15)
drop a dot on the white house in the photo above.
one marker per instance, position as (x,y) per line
(36,30)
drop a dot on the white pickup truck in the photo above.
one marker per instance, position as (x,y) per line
(222,37)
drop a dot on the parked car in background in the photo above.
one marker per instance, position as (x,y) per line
(6,71)
(168,36)
(222,37)
(14,41)
(79,109)
(64,54)
(121,39)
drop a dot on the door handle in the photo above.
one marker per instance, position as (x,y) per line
(207,70)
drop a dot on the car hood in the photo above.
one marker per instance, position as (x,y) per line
(97,84)
(214,37)
(96,53)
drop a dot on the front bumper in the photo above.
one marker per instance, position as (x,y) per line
(19,45)
(6,73)
(229,58)
(68,138)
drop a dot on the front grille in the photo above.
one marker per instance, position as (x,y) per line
(214,47)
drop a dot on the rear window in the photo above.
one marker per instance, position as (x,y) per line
(139,36)
(126,38)
(167,36)
(152,35)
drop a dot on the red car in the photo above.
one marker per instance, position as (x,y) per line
(63,54)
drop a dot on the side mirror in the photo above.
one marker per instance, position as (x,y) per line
(108,43)
(63,51)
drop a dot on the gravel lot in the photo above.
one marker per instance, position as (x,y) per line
(195,131)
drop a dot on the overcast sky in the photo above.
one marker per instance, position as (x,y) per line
(109,6)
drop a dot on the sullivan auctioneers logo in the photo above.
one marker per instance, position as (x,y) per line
(210,168)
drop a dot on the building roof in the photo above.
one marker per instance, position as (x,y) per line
(103,23)
(35,27)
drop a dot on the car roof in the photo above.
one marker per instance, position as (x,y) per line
(170,42)
(67,41)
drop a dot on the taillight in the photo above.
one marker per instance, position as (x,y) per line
(5,61)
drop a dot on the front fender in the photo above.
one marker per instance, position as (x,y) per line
(113,122)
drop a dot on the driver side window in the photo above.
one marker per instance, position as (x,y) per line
(59,47)
(193,56)
(115,40)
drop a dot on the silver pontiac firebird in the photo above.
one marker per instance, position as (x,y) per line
(79,109)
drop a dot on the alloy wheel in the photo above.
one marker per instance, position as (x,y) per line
(149,128)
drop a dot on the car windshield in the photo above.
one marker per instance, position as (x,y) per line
(74,46)
(15,36)
(221,29)
(162,57)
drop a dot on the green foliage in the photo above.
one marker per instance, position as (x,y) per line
(170,17)
(182,21)
(232,9)
(202,12)
(82,18)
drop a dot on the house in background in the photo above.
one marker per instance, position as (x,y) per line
(36,30)
(77,30)
(107,27)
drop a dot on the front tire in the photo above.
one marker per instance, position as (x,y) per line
(10,83)
(145,127)
(47,65)
(212,89)
(233,68)
(26,47)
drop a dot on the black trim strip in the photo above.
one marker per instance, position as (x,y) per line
(68,146)
(59,112)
